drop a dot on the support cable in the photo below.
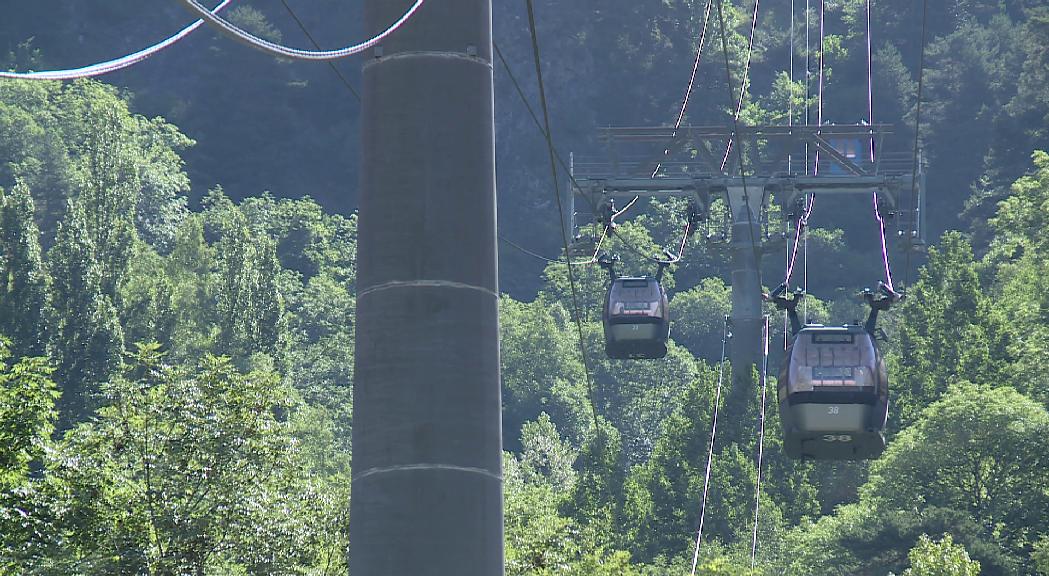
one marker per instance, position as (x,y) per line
(802,225)
(917,131)
(790,94)
(280,51)
(819,98)
(870,80)
(539,124)
(725,335)
(113,65)
(537,256)
(884,249)
(560,160)
(735,128)
(561,213)
(691,84)
(808,76)
(625,208)
(743,84)
(805,281)
(313,41)
(761,438)
(564,165)
(787,265)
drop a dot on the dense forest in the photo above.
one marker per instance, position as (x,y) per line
(177,256)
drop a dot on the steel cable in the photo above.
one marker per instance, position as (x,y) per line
(819,98)
(917,131)
(725,335)
(870,80)
(802,225)
(110,66)
(561,213)
(743,84)
(761,438)
(313,41)
(274,49)
(735,131)
(691,83)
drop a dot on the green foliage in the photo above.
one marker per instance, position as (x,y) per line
(699,317)
(241,466)
(554,386)
(24,294)
(539,540)
(27,418)
(1041,555)
(249,310)
(187,472)
(940,558)
(67,141)
(87,340)
(949,333)
(978,449)
(597,496)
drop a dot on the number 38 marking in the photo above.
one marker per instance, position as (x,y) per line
(832,409)
(837,438)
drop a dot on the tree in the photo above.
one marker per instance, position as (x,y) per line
(981,450)
(146,309)
(597,495)
(539,540)
(940,558)
(87,341)
(699,317)
(27,419)
(23,279)
(947,331)
(27,415)
(1041,555)
(250,304)
(554,385)
(190,471)
(1020,257)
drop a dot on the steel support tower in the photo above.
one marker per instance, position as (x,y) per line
(781,164)
(427,446)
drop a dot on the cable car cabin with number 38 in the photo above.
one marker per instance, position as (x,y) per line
(636,319)
(833,394)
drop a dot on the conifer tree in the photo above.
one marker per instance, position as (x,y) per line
(86,338)
(23,279)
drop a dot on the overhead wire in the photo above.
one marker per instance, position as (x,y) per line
(725,335)
(761,437)
(917,131)
(677,126)
(802,225)
(819,98)
(884,248)
(870,80)
(735,129)
(790,93)
(691,83)
(313,41)
(117,64)
(275,49)
(561,212)
(808,75)
(805,280)
(538,256)
(560,159)
(743,84)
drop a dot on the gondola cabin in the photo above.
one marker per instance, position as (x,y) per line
(833,394)
(636,319)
